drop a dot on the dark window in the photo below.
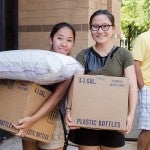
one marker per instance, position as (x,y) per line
(8,24)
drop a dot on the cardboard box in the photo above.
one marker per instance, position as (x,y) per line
(99,102)
(19,99)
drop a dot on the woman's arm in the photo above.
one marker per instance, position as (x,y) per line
(68,119)
(26,123)
(133,96)
(140,81)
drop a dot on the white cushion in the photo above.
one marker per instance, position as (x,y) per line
(39,66)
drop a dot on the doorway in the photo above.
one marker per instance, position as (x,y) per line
(8,25)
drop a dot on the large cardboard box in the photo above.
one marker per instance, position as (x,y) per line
(19,99)
(99,102)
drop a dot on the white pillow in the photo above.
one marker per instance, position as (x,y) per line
(39,66)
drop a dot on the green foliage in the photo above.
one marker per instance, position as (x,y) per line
(135,18)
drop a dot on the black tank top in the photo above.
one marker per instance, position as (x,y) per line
(94,61)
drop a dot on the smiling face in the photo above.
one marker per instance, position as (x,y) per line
(62,41)
(101,36)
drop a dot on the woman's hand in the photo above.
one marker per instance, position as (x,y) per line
(129,123)
(68,120)
(24,125)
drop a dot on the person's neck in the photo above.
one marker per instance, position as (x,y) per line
(103,50)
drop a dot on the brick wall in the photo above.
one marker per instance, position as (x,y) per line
(115,8)
(37,17)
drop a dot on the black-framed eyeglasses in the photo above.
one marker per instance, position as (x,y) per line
(104,27)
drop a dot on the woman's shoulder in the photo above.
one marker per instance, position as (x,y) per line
(83,52)
(86,50)
(82,55)
(124,51)
(122,48)
(124,55)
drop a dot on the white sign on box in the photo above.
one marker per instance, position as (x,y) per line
(39,66)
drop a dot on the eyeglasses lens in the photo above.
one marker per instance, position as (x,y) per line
(97,27)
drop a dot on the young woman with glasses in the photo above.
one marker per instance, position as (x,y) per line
(105,58)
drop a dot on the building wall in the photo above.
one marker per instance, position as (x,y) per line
(115,8)
(37,17)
